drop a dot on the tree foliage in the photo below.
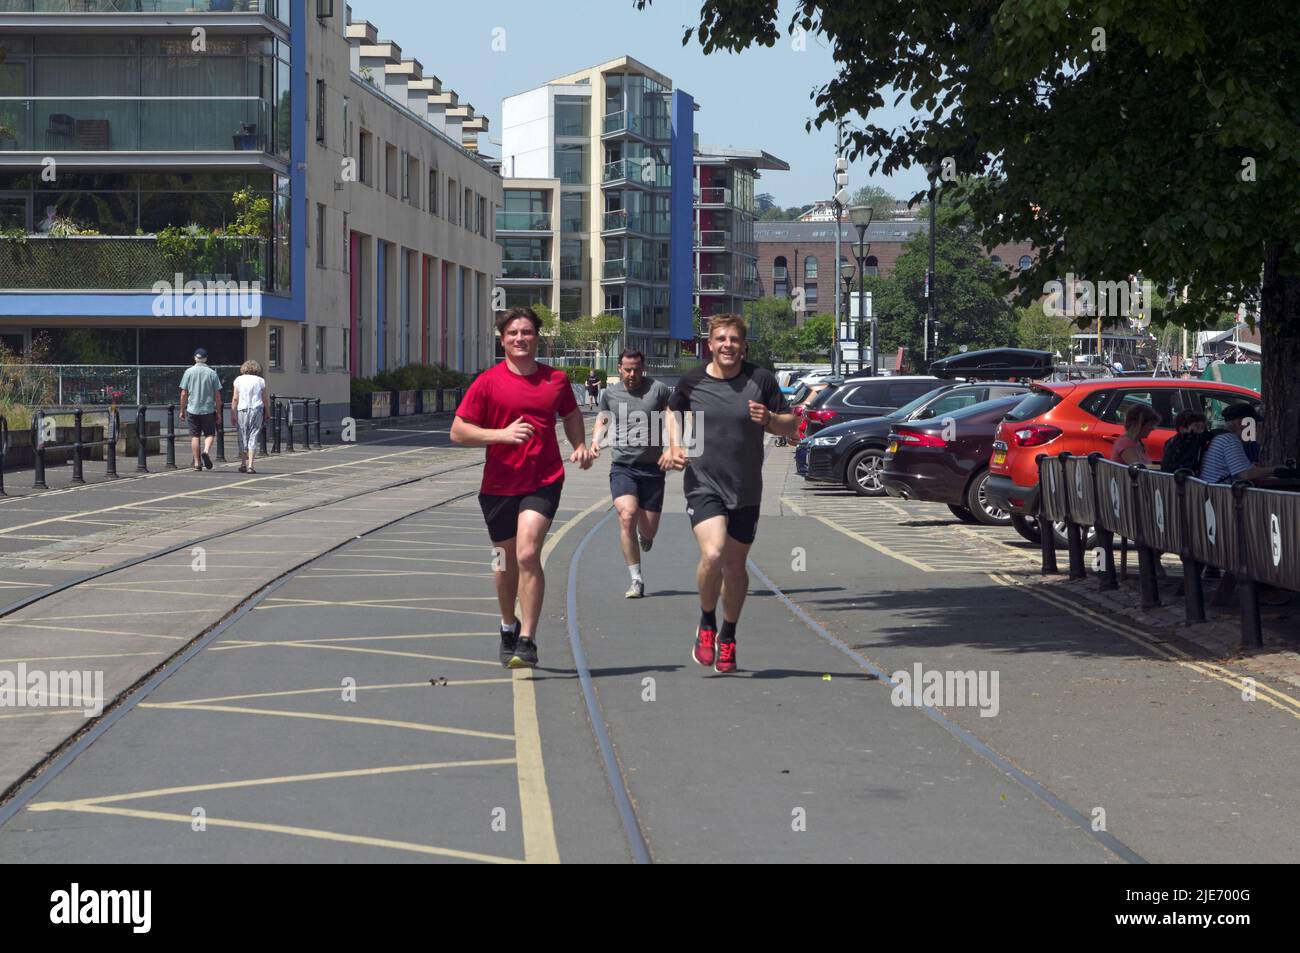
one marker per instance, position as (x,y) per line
(1152,137)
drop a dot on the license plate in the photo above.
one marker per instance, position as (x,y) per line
(999,456)
(893,447)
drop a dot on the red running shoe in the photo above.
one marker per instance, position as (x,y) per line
(704,645)
(726,660)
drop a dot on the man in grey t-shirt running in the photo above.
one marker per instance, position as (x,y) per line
(735,403)
(630,413)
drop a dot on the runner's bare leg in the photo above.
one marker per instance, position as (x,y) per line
(532,528)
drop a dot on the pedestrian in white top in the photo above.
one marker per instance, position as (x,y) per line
(249,407)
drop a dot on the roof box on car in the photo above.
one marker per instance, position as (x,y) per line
(998,363)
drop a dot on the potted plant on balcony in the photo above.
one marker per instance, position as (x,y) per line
(8,132)
(246,138)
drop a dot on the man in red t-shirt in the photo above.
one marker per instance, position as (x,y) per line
(511,410)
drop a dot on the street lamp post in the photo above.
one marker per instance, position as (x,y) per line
(930,320)
(841,199)
(860,216)
(846,276)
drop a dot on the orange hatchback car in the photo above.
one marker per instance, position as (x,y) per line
(1087,416)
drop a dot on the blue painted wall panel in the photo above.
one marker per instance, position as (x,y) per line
(681,301)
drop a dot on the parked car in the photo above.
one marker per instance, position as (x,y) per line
(946,460)
(1087,416)
(860,397)
(851,453)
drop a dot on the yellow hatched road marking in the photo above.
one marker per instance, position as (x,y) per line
(317,716)
(335,689)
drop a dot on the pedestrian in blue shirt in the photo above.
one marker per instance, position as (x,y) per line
(1226,459)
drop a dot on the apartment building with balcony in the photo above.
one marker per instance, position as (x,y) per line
(610,148)
(726,255)
(237,141)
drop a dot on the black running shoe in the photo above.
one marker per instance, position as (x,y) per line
(508,640)
(207,460)
(525,654)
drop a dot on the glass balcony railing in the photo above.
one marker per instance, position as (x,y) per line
(712,239)
(713,283)
(622,268)
(644,171)
(713,196)
(614,312)
(529,270)
(523,221)
(650,127)
(573,270)
(138,6)
(118,263)
(645,223)
(135,124)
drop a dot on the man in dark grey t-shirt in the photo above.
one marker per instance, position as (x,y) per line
(630,412)
(734,404)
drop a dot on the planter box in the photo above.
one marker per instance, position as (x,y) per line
(404,402)
(21,456)
(449,399)
(381,404)
(426,401)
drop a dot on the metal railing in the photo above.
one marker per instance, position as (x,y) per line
(125,262)
(1250,533)
(99,384)
(284,422)
(524,222)
(537,270)
(138,123)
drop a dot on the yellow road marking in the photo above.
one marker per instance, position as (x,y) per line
(48,711)
(354,648)
(189,493)
(283,829)
(538,824)
(335,689)
(78,628)
(879,547)
(372,605)
(1169,653)
(236,643)
(258,782)
(317,716)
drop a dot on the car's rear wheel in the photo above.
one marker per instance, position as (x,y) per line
(984,510)
(863,473)
(963,514)
(1027,527)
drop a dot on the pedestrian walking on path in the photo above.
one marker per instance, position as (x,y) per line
(201,406)
(593,388)
(733,403)
(630,412)
(249,408)
(511,410)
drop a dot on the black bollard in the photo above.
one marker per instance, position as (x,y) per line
(1252,633)
(4,445)
(1148,585)
(221,436)
(171,436)
(1073,541)
(1046,541)
(289,407)
(319,445)
(38,448)
(1193,595)
(77,476)
(110,448)
(141,464)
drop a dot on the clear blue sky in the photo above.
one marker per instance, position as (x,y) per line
(756,99)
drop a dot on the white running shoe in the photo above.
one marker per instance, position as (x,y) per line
(636,590)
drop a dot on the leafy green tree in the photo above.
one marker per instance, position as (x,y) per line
(1044,332)
(1120,137)
(881,200)
(817,335)
(771,332)
(970,304)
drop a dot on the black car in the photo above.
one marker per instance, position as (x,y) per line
(860,397)
(946,460)
(852,453)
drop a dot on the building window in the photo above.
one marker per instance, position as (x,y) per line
(320,236)
(320,111)
(274,352)
(810,268)
(482,216)
(406,178)
(780,280)
(433,191)
(320,349)
(413,180)
(302,347)
(1025,263)
(452,194)
(810,295)
(364,170)
(872,268)
(390,170)
(469,209)
(347,349)
(324,9)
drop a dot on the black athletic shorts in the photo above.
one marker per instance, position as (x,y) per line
(202,425)
(501,513)
(742,522)
(644,482)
